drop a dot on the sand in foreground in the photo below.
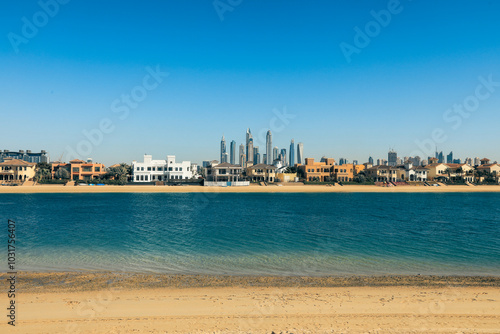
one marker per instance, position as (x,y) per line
(287,188)
(215,308)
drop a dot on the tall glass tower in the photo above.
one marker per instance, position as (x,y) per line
(232,152)
(269,148)
(300,153)
(292,153)
(222,149)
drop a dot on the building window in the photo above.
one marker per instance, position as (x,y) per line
(142,177)
(176,169)
(145,177)
(160,169)
(169,169)
(149,169)
(142,168)
(76,169)
(97,169)
(138,168)
(137,178)
(180,169)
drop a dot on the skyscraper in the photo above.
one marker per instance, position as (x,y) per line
(283,156)
(232,152)
(249,146)
(276,153)
(449,158)
(370,160)
(392,157)
(300,153)
(292,153)
(242,155)
(222,149)
(269,147)
(256,155)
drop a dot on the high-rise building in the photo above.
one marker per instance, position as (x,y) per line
(292,154)
(439,156)
(232,152)
(370,160)
(300,153)
(283,156)
(256,155)
(276,153)
(416,161)
(449,158)
(222,149)
(249,144)
(242,155)
(269,147)
(392,158)
(225,157)
(477,161)
(342,161)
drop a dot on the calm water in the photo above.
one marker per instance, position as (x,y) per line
(283,234)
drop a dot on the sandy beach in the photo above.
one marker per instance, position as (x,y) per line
(288,188)
(134,303)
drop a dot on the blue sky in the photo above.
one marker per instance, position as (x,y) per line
(226,75)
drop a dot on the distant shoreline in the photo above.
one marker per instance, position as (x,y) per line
(288,188)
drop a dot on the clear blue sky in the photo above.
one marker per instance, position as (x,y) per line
(227,75)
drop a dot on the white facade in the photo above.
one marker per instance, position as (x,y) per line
(161,170)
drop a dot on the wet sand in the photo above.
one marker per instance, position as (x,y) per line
(136,303)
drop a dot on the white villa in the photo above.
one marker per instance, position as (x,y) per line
(161,170)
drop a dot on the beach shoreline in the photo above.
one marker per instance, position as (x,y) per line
(289,188)
(88,302)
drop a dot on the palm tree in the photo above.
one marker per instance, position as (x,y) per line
(42,173)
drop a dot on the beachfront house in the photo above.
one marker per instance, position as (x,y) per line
(450,172)
(317,171)
(224,174)
(261,173)
(167,170)
(81,170)
(16,171)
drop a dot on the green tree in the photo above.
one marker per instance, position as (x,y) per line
(119,173)
(62,173)
(42,173)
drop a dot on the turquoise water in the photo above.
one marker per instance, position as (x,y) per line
(270,234)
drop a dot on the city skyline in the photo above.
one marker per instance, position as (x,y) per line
(123,85)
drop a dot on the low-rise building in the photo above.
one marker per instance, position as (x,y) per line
(81,170)
(161,170)
(224,174)
(261,172)
(317,171)
(346,172)
(453,172)
(15,170)
(286,177)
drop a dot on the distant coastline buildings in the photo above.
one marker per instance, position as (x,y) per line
(27,156)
